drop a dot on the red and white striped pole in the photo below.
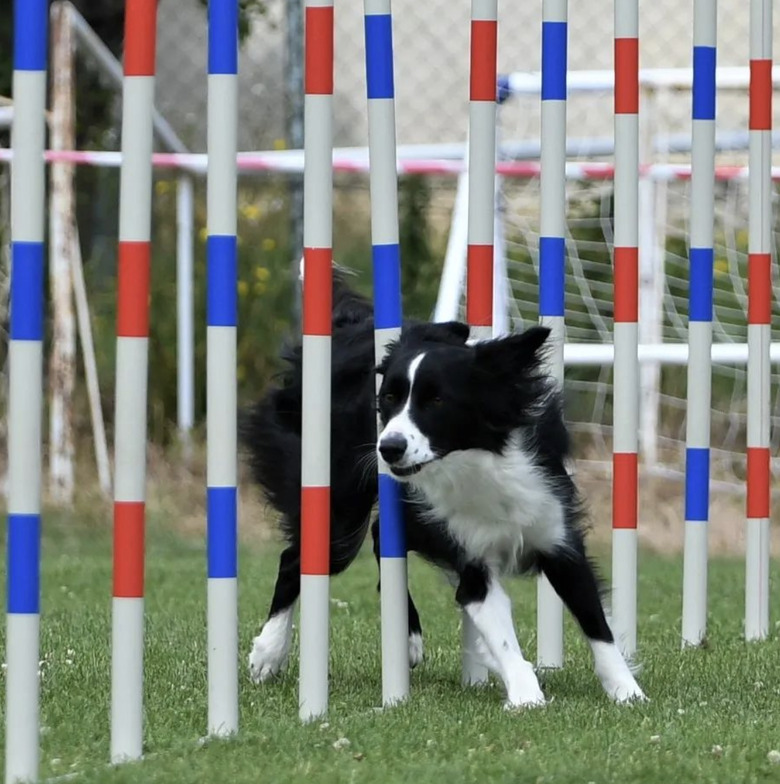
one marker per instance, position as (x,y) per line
(317,299)
(132,349)
(625,403)
(481,208)
(759,322)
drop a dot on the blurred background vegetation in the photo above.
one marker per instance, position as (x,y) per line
(266,245)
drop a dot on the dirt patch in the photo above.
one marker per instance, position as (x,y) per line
(661,525)
(176,497)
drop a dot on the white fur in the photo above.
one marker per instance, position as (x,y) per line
(415,649)
(271,647)
(418,448)
(483,655)
(614,673)
(496,506)
(493,619)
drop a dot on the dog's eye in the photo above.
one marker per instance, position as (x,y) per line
(436,400)
(388,398)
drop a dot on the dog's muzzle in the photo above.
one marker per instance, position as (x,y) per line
(393,447)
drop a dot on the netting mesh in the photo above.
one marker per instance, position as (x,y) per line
(589,304)
(431,66)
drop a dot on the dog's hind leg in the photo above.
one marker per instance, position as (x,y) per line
(573,578)
(415,628)
(271,647)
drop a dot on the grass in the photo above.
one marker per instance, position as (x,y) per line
(713,715)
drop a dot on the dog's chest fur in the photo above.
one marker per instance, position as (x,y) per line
(499,508)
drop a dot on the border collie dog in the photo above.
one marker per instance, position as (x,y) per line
(475,434)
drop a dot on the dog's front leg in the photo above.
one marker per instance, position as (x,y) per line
(271,647)
(490,609)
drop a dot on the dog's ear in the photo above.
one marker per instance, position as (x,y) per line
(449,332)
(520,353)
(381,368)
(510,378)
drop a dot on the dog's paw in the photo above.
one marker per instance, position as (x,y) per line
(270,649)
(530,700)
(415,649)
(616,673)
(625,692)
(265,662)
(523,690)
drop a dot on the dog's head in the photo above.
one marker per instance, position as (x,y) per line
(440,394)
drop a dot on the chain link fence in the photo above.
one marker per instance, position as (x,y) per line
(431,64)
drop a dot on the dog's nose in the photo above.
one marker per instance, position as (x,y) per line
(392,447)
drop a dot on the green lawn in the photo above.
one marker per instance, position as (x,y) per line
(713,714)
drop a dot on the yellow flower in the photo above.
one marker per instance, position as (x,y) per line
(280,144)
(721,266)
(262,273)
(162,187)
(269,243)
(203,233)
(243,288)
(250,211)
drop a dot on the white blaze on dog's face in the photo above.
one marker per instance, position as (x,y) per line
(402,445)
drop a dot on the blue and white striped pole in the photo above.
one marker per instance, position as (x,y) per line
(25,358)
(387,324)
(552,266)
(697,453)
(221,406)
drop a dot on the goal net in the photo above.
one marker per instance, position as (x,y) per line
(663,314)
(664,216)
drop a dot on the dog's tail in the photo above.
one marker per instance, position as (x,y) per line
(270,430)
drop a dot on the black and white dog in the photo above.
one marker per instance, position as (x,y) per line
(475,433)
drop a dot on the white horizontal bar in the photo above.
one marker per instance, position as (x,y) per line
(665,353)
(729,78)
(346,161)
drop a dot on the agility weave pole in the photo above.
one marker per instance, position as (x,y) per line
(221,398)
(700,303)
(317,301)
(386,260)
(481,207)
(25,360)
(132,354)
(759,322)
(552,266)
(626,292)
